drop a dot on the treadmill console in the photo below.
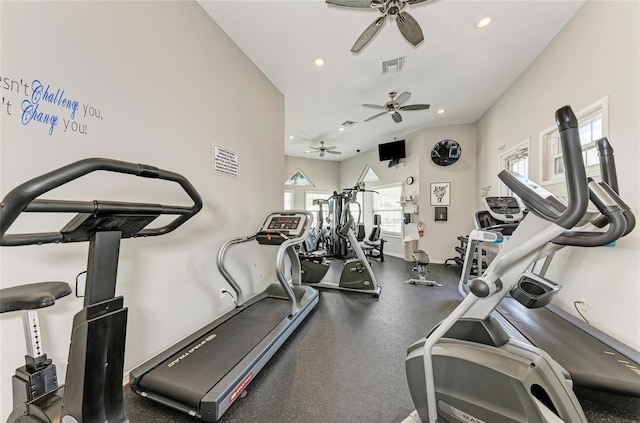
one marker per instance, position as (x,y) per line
(281,226)
(505,209)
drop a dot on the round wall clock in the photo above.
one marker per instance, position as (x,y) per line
(446,152)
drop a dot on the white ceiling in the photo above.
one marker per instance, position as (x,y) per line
(457,67)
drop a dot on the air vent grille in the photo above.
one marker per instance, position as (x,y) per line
(392,65)
(348,123)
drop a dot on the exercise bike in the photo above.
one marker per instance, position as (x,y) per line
(469,369)
(93,390)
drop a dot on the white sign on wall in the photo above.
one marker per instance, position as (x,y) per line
(225,162)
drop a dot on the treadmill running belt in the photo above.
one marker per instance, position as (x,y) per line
(188,375)
(591,363)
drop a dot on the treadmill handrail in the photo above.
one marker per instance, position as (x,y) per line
(288,243)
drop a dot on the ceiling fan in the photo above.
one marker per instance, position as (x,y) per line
(322,149)
(394,105)
(406,23)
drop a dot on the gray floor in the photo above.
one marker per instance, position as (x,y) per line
(345,363)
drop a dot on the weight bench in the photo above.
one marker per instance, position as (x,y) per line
(422,261)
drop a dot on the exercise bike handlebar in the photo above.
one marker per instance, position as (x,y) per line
(24,198)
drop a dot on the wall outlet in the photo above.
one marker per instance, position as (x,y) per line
(582,304)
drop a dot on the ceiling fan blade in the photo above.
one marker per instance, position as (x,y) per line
(374,106)
(351,3)
(315,148)
(368,34)
(415,1)
(415,107)
(334,152)
(409,28)
(402,97)
(311,152)
(322,154)
(396,117)
(333,147)
(375,116)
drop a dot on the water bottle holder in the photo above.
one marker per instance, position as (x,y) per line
(533,291)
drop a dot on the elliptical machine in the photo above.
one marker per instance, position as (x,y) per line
(469,368)
(356,274)
(93,390)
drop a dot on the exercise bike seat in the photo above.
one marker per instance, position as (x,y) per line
(32,296)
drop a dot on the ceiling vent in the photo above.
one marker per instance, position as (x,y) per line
(348,123)
(393,65)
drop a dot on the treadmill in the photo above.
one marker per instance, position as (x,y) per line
(203,374)
(593,359)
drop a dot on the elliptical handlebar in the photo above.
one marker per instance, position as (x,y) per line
(23,198)
(575,176)
(607,163)
(612,210)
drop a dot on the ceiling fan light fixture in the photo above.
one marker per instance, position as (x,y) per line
(484,21)
(441,111)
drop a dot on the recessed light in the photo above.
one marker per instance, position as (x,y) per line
(484,21)
(441,111)
(291,137)
(341,129)
(318,61)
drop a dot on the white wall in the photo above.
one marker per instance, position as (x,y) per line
(168,83)
(440,238)
(597,54)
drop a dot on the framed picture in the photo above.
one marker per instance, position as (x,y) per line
(441,194)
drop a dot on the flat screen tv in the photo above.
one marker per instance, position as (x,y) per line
(392,151)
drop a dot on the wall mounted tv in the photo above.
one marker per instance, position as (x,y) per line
(393,151)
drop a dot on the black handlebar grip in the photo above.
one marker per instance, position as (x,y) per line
(576,177)
(607,163)
(565,118)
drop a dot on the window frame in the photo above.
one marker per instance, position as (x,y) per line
(314,211)
(550,149)
(510,154)
(375,210)
(292,193)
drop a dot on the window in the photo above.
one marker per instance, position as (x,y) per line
(368,175)
(299,178)
(515,159)
(592,125)
(309,198)
(288,200)
(387,204)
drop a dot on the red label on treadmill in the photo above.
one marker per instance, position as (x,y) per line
(241,387)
